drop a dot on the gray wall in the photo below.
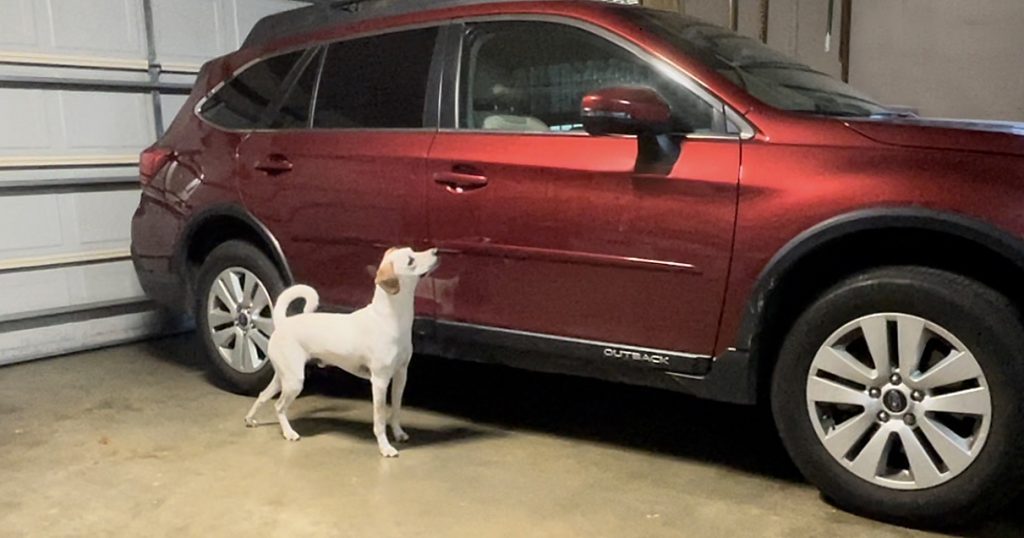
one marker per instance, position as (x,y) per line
(950,58)
(947,58)
(69,150)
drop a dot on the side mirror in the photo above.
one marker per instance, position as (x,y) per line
(626,110)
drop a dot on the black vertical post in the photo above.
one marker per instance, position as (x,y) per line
(764,20)
(846,19)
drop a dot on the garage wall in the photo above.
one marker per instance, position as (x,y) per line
(946,58)
(796,27)
(84,86)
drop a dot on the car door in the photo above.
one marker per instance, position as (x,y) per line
(339,174)
(549,230)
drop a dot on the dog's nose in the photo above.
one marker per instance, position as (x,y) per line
(433,251)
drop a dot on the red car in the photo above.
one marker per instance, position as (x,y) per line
(625,194)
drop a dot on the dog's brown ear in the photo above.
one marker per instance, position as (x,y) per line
(387,279)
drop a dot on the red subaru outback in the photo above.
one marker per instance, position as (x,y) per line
(625,194)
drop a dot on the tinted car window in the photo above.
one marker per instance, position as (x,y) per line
(376,82)
(296,103)
(532,76)
(242,102)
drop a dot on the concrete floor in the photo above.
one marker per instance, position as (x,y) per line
(136,441)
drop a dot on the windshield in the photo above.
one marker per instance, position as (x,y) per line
(766,74)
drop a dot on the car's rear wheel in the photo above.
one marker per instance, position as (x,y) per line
(897,394)
(234,294)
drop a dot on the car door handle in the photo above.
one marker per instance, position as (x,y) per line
(460,181)
(274,165)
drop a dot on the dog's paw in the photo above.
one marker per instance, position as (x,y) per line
(388,452)
(401,436)
(291,436)
(250,422)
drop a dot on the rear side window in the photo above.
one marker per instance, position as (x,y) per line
(376,82)
(242,102)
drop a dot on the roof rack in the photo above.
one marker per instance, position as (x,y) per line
(329,13)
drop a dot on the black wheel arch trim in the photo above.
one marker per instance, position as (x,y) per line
(965,227)
(242,215)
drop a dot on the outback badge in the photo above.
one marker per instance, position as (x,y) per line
(639,356)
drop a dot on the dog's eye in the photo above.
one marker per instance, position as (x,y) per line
(411,261)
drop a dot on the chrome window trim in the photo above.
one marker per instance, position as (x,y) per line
(674,72)
(197,110)
(747,130)
(579,134)
(307,130)
(660,64)
(461,25)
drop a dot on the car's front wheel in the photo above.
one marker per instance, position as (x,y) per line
(898,394)
(234,294)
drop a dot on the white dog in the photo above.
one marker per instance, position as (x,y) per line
(373,343)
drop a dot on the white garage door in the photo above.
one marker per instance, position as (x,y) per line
(84,86)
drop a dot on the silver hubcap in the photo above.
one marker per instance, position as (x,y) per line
(899,401)
(239,319)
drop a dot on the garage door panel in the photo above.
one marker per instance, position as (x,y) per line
(29,223)
(17,25)
(24,120)
(111,27)
(116,122)
(171,105)
(73,124)
(107,282)
(250,11)
(185,40)
(183,37)
(103,217)
(33,291)
(36,230)
(22,345)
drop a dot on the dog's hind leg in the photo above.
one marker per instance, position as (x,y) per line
(380,403)
(291,368)
(397,389)
(291,387)
(272,389)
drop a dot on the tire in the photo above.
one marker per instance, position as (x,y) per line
(952,312)
(235,335)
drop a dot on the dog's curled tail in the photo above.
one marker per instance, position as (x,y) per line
(289,295)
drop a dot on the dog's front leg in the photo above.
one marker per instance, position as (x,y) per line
(380,401)
(397,389)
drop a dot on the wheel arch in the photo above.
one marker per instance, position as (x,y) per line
(218,224)
(852,242)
